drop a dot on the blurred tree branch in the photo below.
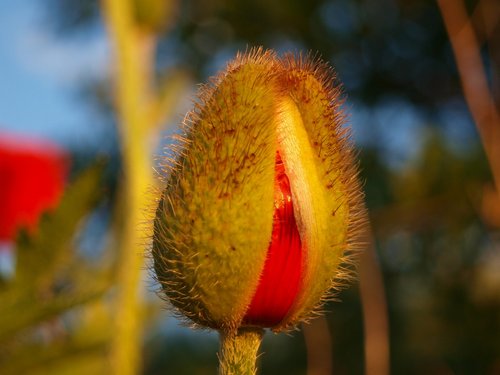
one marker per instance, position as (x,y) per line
(485,19)
(375,319)
(473,78)
(318,340)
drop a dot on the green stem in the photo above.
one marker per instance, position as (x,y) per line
(133,62)
(238,351)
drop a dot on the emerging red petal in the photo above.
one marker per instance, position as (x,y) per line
(281,276)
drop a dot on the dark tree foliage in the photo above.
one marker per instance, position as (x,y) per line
(383,48)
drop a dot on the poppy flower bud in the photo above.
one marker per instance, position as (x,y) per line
(262,205)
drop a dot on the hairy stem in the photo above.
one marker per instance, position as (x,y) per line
(238,351)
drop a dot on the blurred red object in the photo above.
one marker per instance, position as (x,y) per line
(32,177)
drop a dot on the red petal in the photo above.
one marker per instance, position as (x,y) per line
(281,276)
(32,176)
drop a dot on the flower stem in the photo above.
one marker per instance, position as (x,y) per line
(238,351)
(133,53)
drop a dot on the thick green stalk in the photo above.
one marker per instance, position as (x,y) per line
(238,351)
(133,60)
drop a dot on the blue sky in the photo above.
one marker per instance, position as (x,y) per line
(40,73)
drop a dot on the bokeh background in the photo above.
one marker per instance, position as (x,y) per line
(435,213)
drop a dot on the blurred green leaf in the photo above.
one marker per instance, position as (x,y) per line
(50,280)
(40,256)
(56,358)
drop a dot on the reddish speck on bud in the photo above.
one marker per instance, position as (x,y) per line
(280,279)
